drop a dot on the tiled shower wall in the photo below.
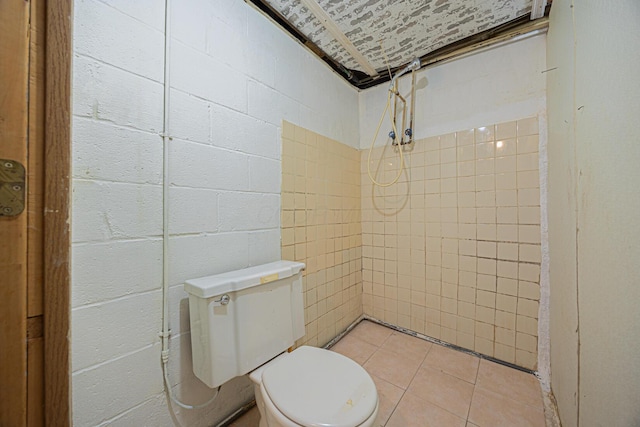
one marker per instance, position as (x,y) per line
(321,226)
(452,250)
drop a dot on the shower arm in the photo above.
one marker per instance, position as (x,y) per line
(413,66)
(393,88)
(394,91)
(409,131)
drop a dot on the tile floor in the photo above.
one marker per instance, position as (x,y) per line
(425,384)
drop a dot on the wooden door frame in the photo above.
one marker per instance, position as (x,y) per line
(57,202)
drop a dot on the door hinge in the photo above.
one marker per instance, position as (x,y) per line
(12,187)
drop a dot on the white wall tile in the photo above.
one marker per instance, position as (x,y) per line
(189,117)
(151,412)
(103,151)
(107,390)
(248,211)
(206,77)
(269,105)
(104,331)
(240,132)
(113,269)
(264,246)
(104,92)
(109,210)
(201,166)
(265,175)
(193,210)
(104,33)
(150,12)
(207,254)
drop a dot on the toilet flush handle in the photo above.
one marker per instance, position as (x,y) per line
(224,299)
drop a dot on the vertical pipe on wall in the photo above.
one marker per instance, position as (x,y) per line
(165,193)
(166,140)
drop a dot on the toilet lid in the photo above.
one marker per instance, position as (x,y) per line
(316,387)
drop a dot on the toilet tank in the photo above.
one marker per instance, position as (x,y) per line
(242,319)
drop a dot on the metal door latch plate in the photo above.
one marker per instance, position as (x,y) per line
(12,186)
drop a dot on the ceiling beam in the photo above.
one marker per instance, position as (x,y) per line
(331,26)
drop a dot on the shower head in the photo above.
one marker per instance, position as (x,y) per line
(414,65)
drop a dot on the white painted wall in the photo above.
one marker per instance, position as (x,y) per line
(594,227)
(497,85)
(234,78)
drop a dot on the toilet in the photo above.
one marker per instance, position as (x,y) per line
(245,321)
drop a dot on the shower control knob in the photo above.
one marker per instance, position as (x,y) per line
(392,135)
(408,132)
(224,299)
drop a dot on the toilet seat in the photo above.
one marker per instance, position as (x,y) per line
(339,393)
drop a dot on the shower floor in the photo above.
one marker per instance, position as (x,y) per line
(424,384)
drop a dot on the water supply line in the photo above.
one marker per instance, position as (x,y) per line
(397,138)
(165,334)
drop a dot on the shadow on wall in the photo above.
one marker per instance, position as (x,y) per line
(190,390)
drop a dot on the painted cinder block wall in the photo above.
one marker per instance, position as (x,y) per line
(234,78)
(496,85)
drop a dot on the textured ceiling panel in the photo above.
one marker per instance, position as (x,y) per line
(405,28)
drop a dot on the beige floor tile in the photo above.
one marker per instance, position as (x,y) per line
(354,348)
(396,368)
(444,390)
(489,409)
(453,362)
(407,345)
(388,397)
(438,383)
(249,419)
(517,385)
(371,332)
(412,411)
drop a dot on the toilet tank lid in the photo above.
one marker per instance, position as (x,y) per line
(218,284)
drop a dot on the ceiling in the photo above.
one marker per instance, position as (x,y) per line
(360,38)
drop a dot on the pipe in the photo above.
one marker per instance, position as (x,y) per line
(413,66)
(165,334)
(409,132)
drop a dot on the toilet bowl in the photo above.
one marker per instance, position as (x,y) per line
(314,387)
(243,322)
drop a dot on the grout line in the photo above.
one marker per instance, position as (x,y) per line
(451,346)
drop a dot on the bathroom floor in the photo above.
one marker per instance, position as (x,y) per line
(425,384)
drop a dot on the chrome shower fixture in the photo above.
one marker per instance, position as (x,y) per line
(396,135)
(414,65)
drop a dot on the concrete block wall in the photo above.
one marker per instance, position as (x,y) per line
(234,78)
(499,84)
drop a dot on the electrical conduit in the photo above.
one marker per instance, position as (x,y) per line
(166,139)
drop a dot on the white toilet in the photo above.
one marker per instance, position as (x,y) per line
(245,321)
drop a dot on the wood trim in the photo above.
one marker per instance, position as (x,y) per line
(14,56)
(340,36)
(35,374)
(57,244)
(35,168)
